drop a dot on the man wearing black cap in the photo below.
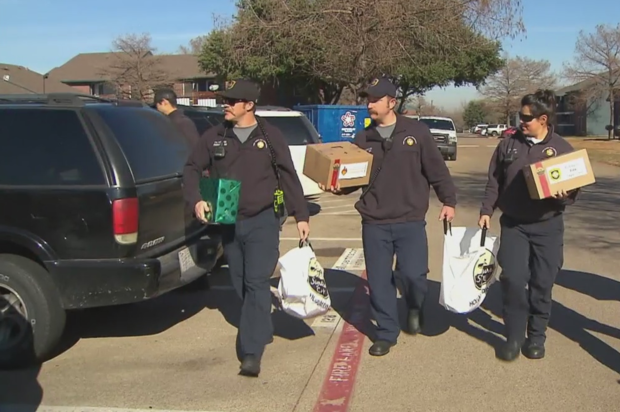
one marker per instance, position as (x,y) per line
(406,162)
(166,103)
(252,151)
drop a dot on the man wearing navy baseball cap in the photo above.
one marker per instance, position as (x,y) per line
(249,149)
(379,88)
(393,206)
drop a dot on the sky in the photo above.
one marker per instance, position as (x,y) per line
(43,34)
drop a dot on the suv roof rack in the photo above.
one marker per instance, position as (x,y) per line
(62,99)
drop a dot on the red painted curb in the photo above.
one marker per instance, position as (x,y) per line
(339,383)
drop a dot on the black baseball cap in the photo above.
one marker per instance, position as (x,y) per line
(241,89)
(168,94)
(379,87)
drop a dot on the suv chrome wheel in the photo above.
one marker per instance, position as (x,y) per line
(13,314)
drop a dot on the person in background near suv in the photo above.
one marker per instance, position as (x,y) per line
(532,231)
(250,150)
(166,103)
(406,162)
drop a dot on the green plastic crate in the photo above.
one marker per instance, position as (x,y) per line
(222,195)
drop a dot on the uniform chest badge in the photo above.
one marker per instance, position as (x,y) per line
(409,141)
(260,143)
(550,151)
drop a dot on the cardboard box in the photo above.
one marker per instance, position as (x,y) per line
(566,172)
(338,163)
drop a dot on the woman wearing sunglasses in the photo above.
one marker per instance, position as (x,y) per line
(532,231)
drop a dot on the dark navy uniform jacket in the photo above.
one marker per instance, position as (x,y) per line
(250,163)
(401,190)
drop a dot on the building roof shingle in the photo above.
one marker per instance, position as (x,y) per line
(90,67)
(22,80)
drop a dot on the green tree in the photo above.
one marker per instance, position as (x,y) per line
(321,47)
(475,113)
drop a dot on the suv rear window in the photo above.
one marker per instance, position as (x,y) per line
(46,147)
(297,130)
(204,120)
(153,147)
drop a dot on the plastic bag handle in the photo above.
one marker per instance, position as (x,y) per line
(306,242)
(483,237)
(447,226)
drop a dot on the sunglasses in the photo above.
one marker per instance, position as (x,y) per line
(526,118)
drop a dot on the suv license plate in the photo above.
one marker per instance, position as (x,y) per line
(186,260)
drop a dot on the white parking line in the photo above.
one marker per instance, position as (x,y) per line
(330,200)
(349,205)
(347,213)
(350,260)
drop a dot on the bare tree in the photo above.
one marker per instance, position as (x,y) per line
(194,46)
(597,67)
(518,77)
(134,68)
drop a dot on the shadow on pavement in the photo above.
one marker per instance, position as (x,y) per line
(590,222)
(157,315)
(564,320)
(314,208)
(19,388)
(356,313)
(226,301)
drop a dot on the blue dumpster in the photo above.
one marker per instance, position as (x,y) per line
(336,123)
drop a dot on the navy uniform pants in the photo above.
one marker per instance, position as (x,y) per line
(409,243)
(252,251)
(530,255)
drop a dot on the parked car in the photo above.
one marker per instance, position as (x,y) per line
(479,128)
(294,125)
(91,214)
(508,132)
(495,130)
(444,133)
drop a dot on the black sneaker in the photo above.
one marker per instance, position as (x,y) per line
(415,321)
(380,348)
(250,366)
(508,351)
(533,350)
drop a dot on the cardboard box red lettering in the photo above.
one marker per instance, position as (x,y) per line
(340,163)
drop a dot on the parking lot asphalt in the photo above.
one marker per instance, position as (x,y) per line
(177,352)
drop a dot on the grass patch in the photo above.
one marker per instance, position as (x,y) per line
(599,149)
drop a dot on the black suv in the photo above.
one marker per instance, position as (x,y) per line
(91,214)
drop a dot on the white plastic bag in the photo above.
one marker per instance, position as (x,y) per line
(469,268)
(302,288)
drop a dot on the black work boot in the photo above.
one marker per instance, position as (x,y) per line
(533,350)
(415,321)
(250,366)
(380,348)
(508,351)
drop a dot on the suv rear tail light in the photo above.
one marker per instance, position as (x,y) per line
(125,220)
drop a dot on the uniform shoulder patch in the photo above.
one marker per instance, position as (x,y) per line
(410,141)
(550,151)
